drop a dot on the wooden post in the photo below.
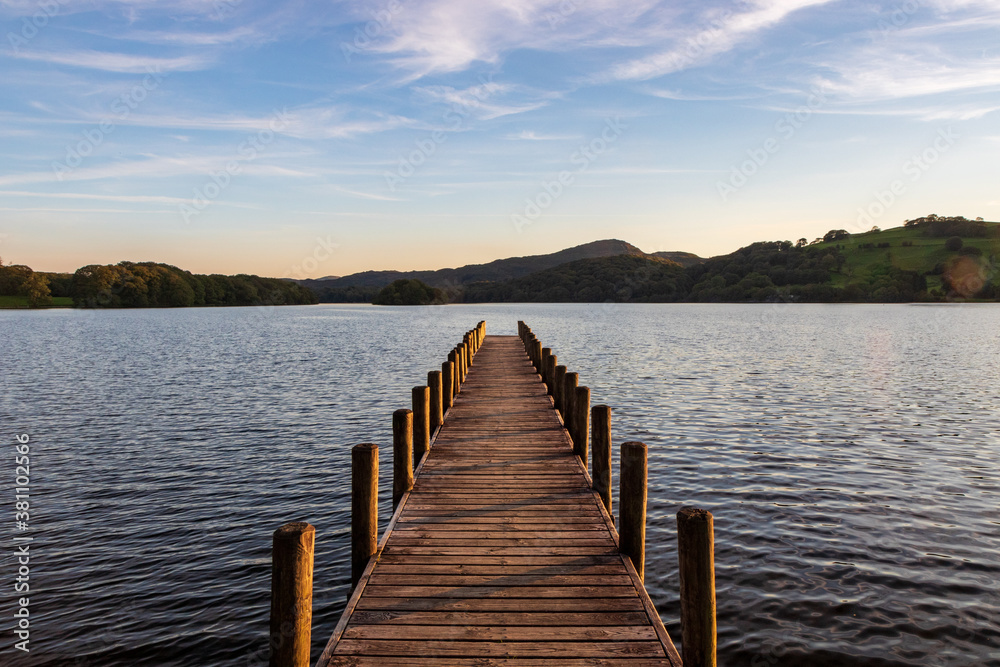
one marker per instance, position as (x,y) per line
(569,385)
(291,594)
(537,347)
(600,420)
(696,555)
(558,378)
(364,508)
(402,454)
(581,423)
(632,496)
(460,357)
(437,410)
(544,370)
(549,372)
(455,381)
(421,399)
(447,387)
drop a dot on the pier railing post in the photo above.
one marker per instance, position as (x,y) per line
(447,386)
(581,423)
(558,378)
(600,421)
(291,595)
(402,453)
(570,382)
(437,406)
(455,378)
(364,508)
(537,347)
(421,399)
(548,367)
(632,497)
(696,555)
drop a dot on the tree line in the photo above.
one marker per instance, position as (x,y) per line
(148,285)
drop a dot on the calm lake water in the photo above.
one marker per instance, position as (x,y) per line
(849,454)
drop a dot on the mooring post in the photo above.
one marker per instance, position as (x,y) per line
(550,374)
(364,508)
(581,423)
(696,555)
(402,452)
(291,594)
(570,382)
(632,496)
(437,410)
(460,357)
(548,362)
(447,386)
(537,349)
(558,378)
(455,381)
(421,399)
(600,421)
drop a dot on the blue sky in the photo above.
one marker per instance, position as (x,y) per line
(306,139)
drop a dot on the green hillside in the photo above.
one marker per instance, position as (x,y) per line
(620,278)
(922,247)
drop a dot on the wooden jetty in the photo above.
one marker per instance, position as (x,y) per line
(502,550)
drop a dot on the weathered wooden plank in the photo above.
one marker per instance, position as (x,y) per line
(499,633)
(474,649)
(502,550)
(496,580)
(442,661)
(502,619)
(531,560)
(406,592)
(509,605)
(412,519)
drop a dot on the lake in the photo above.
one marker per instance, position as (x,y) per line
(848,452)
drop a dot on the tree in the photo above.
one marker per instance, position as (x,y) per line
(801,243)
(408,293)
(953,244)
(36,288)
(836,235)
(875,229)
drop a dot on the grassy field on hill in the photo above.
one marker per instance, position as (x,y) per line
(908,249)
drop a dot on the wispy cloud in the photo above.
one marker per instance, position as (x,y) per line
(528,135)
(140,199)
(487,101)
(117,62)
(243,34)
(718,32)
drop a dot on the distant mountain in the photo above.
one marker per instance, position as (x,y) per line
(682,258)
(498,270)
(625,277)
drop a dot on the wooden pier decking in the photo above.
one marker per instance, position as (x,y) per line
(501,554)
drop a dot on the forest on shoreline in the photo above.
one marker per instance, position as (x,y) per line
(143,285)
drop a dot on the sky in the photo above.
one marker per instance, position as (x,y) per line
(307,139)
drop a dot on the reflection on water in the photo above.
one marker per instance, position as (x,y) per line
(847,452)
